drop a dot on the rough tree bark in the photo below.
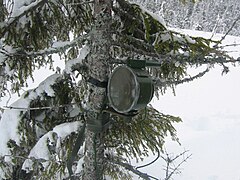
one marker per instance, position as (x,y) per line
(98,66)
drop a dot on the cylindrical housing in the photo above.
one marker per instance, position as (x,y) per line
(129,89)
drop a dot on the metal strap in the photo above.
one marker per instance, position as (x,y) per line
(96,82)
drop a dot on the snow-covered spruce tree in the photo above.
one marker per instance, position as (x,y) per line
(65,129)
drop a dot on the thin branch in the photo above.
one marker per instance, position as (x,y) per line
(51,50)
(229,45)
(158,82)
(10,96)
(215,27)
(175,168)
(41,160)
(140,43)
(82,3)
(229,30)
(134,170)
(133,49)
(37,108)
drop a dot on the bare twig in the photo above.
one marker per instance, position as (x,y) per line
(229,30)
(215,27)
(229,45)
(171,168)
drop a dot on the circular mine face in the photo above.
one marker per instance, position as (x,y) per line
(123,89)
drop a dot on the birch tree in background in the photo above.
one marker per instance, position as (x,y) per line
(65,128)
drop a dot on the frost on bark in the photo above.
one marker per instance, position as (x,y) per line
(98,68)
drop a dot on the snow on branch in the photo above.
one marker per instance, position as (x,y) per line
(54,137)
(72,64)
(20,9)
(11,117)
(57,47)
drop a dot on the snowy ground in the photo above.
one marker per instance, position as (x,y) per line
(209,108)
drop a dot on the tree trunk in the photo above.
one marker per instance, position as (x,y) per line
(98,66)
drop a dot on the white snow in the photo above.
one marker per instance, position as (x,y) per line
(8,125)
(82,55)
(2,58)
(59,44)
(40,150)
(19,6)
(46,86)
(189,39)
(164,37)
(11,117)
(155,16)
(65,129)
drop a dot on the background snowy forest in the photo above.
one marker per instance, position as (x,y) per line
(215,16)
(208,106)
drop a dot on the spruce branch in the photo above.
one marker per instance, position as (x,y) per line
(139,43)
(8,25)
(161,83)
(48,51)
(25,158)
(216,57)
(132,49)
